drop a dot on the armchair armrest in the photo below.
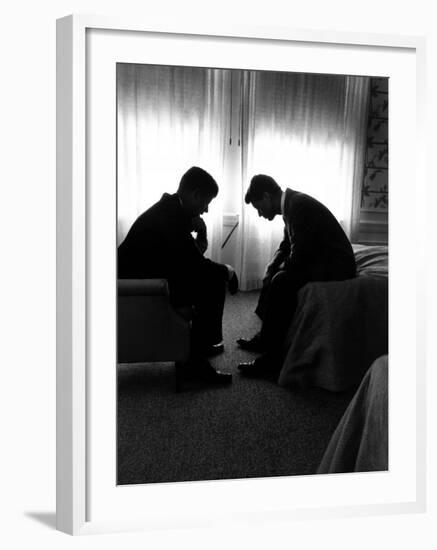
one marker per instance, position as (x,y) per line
(142,287)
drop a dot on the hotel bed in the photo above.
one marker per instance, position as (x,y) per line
(360,441)
(339,328)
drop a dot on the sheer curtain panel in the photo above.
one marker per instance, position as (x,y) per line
(308,132)
(169,119)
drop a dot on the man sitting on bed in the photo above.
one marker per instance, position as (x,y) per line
(160,245)
(314,248)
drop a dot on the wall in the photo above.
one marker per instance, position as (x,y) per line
(374,198)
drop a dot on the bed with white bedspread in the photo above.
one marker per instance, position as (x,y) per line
(339,328)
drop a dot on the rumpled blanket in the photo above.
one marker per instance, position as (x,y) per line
(340,327)
(371,260)
(360,441)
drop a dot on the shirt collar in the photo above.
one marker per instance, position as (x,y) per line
(282,202)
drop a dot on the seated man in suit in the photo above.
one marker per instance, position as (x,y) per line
(314,248)
(160,245)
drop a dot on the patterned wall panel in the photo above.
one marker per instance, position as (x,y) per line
(374,197)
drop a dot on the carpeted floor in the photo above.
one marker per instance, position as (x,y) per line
(252,428)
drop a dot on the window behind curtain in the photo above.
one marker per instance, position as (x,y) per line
(306,131)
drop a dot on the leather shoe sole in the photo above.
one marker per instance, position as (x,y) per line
(216,377)
(202,370)
(213,350)
(254,344)
(255,368)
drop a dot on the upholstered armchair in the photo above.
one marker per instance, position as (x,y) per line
(149,328)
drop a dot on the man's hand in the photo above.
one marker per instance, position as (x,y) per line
(268,276)
(199,227)
(271,271)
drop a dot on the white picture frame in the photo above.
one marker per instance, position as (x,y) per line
(75,346)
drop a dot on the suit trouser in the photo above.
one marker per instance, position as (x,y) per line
(262,301)
(206,293)
(279,305)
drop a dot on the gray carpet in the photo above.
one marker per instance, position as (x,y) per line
(252,428)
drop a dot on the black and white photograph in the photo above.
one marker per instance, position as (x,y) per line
(220,302)
(252,273)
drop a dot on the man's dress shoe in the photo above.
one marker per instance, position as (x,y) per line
(202,370)
(213,376)
(261,367)
(253,344)
(213,349)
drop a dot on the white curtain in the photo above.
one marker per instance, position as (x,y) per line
(308,133)
(169,119)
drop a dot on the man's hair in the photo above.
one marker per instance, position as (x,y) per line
(197,179)
(259,185)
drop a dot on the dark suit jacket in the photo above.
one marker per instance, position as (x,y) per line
(314,242)
(160,245)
